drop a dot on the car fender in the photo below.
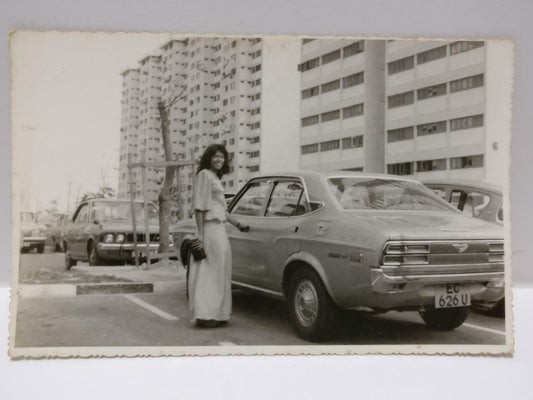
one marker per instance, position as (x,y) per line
(312,261)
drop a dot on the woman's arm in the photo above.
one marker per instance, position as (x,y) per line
(236,224)
(199,216)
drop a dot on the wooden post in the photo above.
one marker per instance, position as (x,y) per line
(146,225)
(132,204)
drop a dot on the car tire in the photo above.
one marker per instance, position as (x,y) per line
(311,309)
(69,262)
(444,319)
(57,247)
(94,257)
(40,248)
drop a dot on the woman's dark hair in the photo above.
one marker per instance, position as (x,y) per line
(205,161)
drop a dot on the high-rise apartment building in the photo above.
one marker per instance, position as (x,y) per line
(216,90)
(342,112)
(437,122)
(426,109)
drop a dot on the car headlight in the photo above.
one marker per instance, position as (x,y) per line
(109,238)
(120,238)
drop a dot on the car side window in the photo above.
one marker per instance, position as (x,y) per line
(287,200)
(251,202)
(83,213)
(440,192)
(470,203)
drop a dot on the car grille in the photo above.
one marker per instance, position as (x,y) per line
(141,237)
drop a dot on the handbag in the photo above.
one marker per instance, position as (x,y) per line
(197,250)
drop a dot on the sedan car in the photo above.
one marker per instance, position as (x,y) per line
(32,234)
(345,240)
(478,200)
(101,232)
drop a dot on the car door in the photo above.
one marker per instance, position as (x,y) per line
(281,232)
(247,247)
(77,239)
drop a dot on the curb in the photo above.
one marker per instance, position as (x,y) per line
(82,289)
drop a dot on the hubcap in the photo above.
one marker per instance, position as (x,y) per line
(306,303)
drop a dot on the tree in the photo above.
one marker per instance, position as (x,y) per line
(104,192)
(165,194)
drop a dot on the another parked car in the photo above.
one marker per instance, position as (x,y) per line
(54,230)
(32,234)
(342,240)
(478,200)
(101,232)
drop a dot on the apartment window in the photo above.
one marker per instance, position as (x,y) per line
(255,125)
(233,44)
(310,148)
(330,116)
(402,99)
(462,46)
(330,86)
(255,139)
(254,154)
(466,83)
(473,121)
(405,168)
(330,57)
(352,49)
(396,135)
(254,168)
(431,165)
(431,55)
(353,111)
(232,141)
(256,68)
(314,91)
(428,129)
(312,120)
(466,162)
(352,142)
(306,66)
(356,169)
(330,145)
(353,80)
(403,64)
(431,91)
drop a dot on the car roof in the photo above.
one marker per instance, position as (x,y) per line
(481,185)
(336,173)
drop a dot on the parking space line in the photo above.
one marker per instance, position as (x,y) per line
(227,344)
(150,307)
(482,328)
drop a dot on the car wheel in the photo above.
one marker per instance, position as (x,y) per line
(40,248)
(57,247)
(94,258)
(311,309)
(69,262)
(445,319)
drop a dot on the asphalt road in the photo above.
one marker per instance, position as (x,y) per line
(162,319)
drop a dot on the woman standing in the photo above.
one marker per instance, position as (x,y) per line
(210,278)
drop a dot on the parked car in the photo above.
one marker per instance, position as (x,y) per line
(478,200)
(32,234)
(344,240)
(475,199)
(101,232)
(54,230)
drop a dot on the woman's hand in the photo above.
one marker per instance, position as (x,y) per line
(243,228)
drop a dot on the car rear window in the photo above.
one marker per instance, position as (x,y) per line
(354,193)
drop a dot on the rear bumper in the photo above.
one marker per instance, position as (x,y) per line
(30,241)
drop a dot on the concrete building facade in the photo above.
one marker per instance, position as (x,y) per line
(214,92)
(342,113)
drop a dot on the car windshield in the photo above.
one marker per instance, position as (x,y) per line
(121,211)
(355,193)
(26,217)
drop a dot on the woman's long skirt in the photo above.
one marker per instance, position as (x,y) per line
(210,278)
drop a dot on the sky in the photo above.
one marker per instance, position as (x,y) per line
(66,93)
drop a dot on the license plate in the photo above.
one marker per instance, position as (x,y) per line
(451,295)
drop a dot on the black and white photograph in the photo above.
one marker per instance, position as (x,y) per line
(192,194)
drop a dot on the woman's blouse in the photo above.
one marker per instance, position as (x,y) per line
(209,196)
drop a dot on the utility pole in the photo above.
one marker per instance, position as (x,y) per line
(68,196)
